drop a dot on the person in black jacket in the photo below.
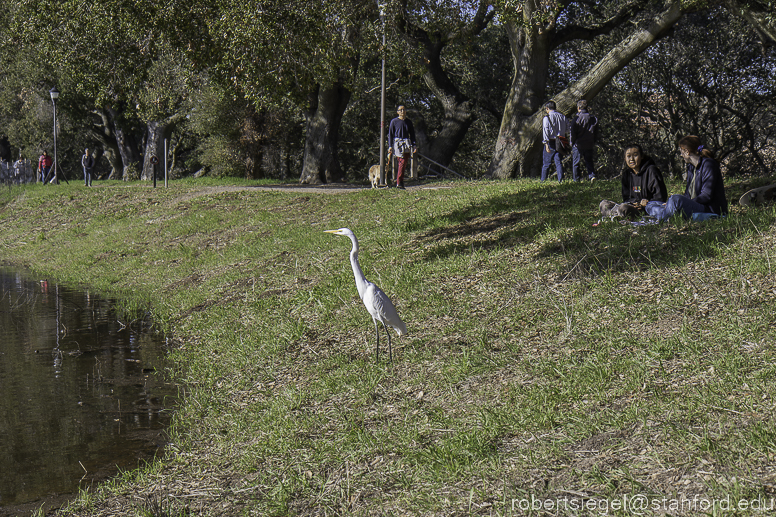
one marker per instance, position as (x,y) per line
(641,179)
(583,130)
(705,191)
(87,162)
(642,182)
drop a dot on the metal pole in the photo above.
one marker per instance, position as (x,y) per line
(164,163)
(55,141)
(54,96)
(382,104)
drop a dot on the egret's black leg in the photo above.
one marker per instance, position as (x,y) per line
(377,351)
(390,352)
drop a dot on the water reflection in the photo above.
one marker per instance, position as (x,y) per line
(79,390)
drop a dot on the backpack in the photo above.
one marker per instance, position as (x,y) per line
(562,145)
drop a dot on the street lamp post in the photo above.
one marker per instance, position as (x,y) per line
(54,96)
(381,6)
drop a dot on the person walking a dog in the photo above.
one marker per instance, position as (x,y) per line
(401,142)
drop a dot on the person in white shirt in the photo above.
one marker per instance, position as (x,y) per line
(554,125)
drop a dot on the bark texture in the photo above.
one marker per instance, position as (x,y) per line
(156,133)
(518,148)
(103,132)
(128,145)
(459,109)
(323,120)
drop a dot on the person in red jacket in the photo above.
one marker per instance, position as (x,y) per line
(44,166)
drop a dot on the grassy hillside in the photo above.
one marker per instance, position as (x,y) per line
(549,363)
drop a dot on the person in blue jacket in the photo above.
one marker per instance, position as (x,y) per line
(401,142)
(705,191)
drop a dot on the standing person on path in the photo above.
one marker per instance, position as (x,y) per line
(87,161)
(401,142)
(583,129)
(44,166)
(18,170)
(554,125)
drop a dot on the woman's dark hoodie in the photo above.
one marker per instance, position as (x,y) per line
(647,184)
(709,190)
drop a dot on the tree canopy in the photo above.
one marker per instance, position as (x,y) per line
(289,86)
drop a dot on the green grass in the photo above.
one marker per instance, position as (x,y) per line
(545,358)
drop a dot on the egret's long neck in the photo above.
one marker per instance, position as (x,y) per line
(357,273)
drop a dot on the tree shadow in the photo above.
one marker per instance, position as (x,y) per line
(562,217)
(497,221)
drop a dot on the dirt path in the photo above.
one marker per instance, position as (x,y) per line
(331,188)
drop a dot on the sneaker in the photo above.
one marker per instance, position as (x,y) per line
(400,187)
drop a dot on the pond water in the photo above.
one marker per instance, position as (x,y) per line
(82,394)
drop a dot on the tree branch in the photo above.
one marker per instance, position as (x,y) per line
(759,16)
(589,85)
(578,32)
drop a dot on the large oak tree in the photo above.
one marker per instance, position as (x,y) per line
(432,30)
(304,54)
(536,29)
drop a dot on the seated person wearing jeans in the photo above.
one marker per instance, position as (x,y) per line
(642,182)
(705,192)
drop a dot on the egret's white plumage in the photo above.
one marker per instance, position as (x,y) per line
(375,300)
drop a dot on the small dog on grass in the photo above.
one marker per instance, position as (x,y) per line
(374,175)
(611,209)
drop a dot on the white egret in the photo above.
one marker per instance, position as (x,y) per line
(375,300)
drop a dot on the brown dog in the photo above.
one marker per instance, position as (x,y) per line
(374,175)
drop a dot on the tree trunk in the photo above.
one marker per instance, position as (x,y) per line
(157,132)
(515,148)
(254,169)
(458,109)
(324,116)
(104,133)
(154,150)
(127,143)
(518,148)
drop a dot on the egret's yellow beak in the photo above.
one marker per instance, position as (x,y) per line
(337,232)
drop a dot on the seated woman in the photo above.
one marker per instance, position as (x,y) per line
(705,192)
(642,182)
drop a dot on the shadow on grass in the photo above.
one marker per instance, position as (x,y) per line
(559,218)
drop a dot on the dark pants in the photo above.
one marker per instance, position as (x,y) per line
(548,158)
(87,177)
(577,155)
